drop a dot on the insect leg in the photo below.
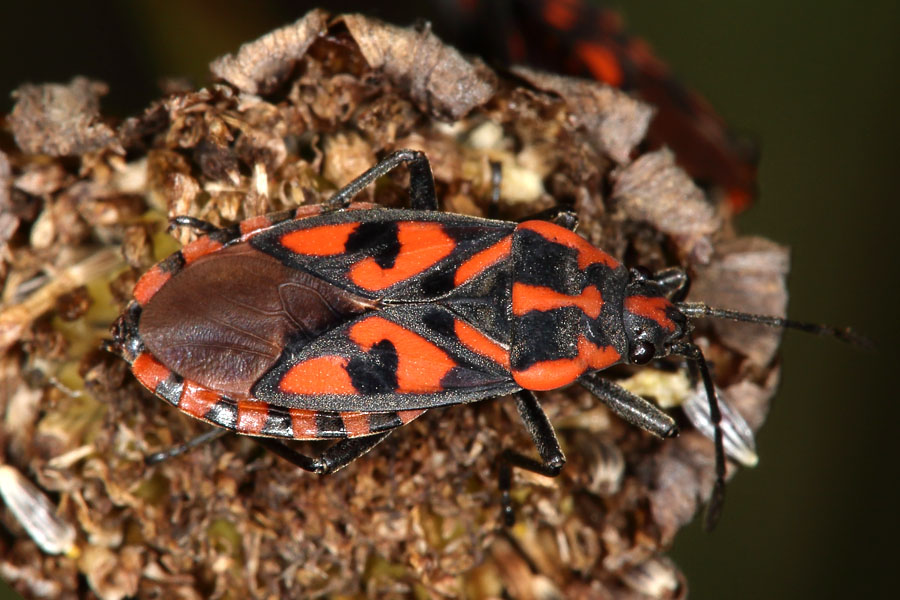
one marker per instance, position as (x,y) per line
(692,352)
(197,224)
(421,182)
(544,437)
(333,459)
(496,180)
(223,235)
(631,407)
(204,438)
(558,215)
(675,282)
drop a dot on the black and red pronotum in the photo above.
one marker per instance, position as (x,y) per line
(349,320)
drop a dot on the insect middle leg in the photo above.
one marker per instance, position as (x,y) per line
(552,458)
(335,458)
(421,181)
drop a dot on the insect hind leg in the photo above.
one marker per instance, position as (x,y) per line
(203,438)
(335,458)
(552,458)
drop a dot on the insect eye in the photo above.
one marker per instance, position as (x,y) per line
(641,353)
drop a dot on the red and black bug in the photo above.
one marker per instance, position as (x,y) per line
(585,39)
(345,321)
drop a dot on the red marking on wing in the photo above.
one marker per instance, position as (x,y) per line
(252,224)
(324,240)
(483,260)
(363,205)
(422,245)
(149,371)
(197,400)
(199,247)
(149,284)
(303,424)
(356,424)
(307,210)
(653,308)
(420,364)
(587,254)
(601,62)
(408,415)
(251,417)
(551,374)
(481,344)
(320,375)
(526,298)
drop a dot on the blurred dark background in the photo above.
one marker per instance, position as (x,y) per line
(816,84)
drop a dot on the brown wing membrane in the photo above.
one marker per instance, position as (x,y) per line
(224,320)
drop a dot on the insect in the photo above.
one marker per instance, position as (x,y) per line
(586,39)
(346,321)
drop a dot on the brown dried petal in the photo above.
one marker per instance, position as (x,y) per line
(436,76)
(99,210)
(112,575)
(346,156)
(170,186)
(617,121)
(746,274)
(61,120)
(74,304)
(260,66)
(655,190)
(39,179)
(217,162)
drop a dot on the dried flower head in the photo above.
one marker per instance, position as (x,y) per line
(295,115)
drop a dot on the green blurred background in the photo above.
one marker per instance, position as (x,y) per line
(816,83)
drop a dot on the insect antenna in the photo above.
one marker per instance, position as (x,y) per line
(693,353)
(694,310)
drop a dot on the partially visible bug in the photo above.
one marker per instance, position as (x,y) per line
(345,321)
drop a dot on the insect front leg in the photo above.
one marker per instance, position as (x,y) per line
(333,459)
(675,282)
(544,437)
(632,408)
(421,182)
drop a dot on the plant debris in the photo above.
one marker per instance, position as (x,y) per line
(294,116)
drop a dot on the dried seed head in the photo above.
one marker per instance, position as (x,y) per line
(300,112)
